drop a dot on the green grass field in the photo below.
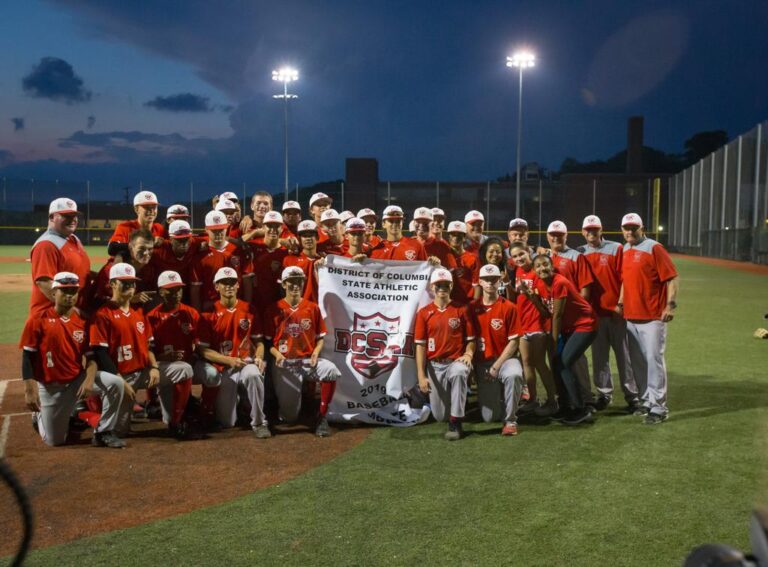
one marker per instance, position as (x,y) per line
(616,493)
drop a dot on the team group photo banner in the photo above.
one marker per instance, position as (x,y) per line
(369,309)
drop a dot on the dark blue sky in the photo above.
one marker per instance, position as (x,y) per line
(181,90)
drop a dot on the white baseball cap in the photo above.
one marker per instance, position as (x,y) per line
(215,220)
(273,217)
(473,216)
(291,206)
(292,272)
(169,279)
(179,229)
(225,205)
(225,274)
(330,215)
(557,227)
(345,216)
(490,271)
(422,213)
(63,206)
(412,226)
(456,226)
(319,197)
(591,221)
(355,225)
(440,275)
(631,219)
(518,223)
(122,271)
(65,279)
(437,212)
(229,195)
(145,198)
(392,211)
(177,211)
(362,213)
(306,226)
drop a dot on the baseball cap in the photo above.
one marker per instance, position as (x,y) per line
(412,226)
(215,220)
(307,226)
(225,274)
(179,229)
(292,272)
(591,221)
(65,279)
(557,227)
(456,226)
(473,216)
(437,212)
(355,225)
(225,205)
(145,198)
(392,211)
(63,206)
(490,271)
(273,217)
(330,215)
(122,271)
(440,275)
(345,216)
(169,279)
(362,213)
(631,219)
(518,223)
(422,213)
(229,195)
(177,211)
(319,197)
(291,206)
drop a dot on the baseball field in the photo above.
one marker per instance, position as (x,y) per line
(614,493)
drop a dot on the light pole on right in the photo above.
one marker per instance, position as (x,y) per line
(521,60)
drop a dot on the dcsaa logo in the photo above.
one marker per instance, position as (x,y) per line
(375,344)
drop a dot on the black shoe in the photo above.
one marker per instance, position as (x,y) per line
(107,439)
(154,411)
(602,403)
(455,431)
(654,419)
(322,429)
(579,416)
(180,431)
(640,410)
(560,414)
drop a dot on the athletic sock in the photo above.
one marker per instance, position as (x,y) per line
(181,392)
(327,389)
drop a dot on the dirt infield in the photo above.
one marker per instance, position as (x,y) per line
(12,260)
(749,267)
(78,490)
(15,282)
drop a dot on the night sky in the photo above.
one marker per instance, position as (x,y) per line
(182,90)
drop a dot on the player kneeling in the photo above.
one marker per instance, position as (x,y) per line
(296,328)
(55,343)
(499,375)
(445,345)
(232,344)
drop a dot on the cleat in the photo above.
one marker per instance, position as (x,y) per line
(602,403)
(180,431)
(323,429)
(549,409)
(509,430)
(455,431)
(262,431)
(107,439)
(579,416)
(528,407)
(654,419)
(640,410)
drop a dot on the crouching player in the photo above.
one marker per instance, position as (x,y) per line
(445,346)
(296,328)
(499,375)
(175,328)
(232,343)
(54,343)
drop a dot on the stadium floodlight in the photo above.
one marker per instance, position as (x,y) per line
(285,75)
(522,60)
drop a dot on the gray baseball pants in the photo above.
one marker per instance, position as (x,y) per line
(171,373)
(138,380)
(248,378)
(498,398)
(448,388)
(647,343)
(289,378)
(612,335)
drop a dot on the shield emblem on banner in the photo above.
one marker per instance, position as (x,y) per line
(371,354)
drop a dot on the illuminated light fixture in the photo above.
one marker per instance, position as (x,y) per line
(522,60)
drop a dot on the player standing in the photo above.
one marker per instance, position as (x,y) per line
(437,226)
(268,259)
(396,246)
(369,217)
(439,249)
(475,222)
(330,222)
(145,206)
(467,285)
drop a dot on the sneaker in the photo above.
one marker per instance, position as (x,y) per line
(560,414)
(154,411)
(107,439)
(323,429)
(546,410)
(579,416)
(139,412)
(640,410)
(35,425)
(525,395)
(180,431)
(602,403)
(509,430)
(262,431)
(654,419)
(528,407)
(455,431)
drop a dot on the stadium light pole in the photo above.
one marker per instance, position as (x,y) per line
(285,75)
(521,60)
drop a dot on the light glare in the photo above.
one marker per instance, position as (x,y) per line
(285,75)
(521,59)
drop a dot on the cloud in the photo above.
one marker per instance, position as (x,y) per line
(55,79)
(91,122)
(183,102)
(18,124)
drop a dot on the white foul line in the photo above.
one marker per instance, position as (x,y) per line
(3,386)
(4,435)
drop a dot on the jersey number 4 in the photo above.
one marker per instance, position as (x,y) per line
(124,352)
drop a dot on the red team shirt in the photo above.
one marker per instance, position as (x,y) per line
(229,331)
(531,321)
(125,335)
(307,265)
(441,250)
(466,276)
(61,343)
(444,332)
(147,280)
(605,264)
(164,259)
(327,248)
(207,263)
(496,325)
(124,229)
(646,268)
(406,248)
(294,331)
(578,316)
(51,254)
(175,331)
(573,266)
(267,267)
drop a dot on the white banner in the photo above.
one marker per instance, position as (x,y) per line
(369,310)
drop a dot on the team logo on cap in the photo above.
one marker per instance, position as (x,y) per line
(374,344)
(496,324)
(79,336)
(140,327)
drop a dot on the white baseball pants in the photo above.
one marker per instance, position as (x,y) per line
(647,342)
(448,388)
(498,398)
(289,378)
(612,335)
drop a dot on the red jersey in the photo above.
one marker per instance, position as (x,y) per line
(327,248)
(531,321)
(175,331)
(207,263)
(441,250)
(406,248)
(307,265)
(496,325)
(466,277)
(147,280)
(578,315)
(444,332)
(61,343)
(126,335)
(375,240)
(51,254)
(574,266)
(294,330)
(164,259)
(605,265)
(646,268)
(267,267)
(231,331)
(124,229)
(234,231)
